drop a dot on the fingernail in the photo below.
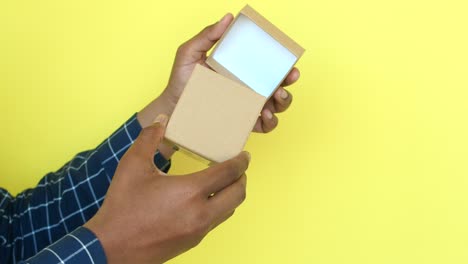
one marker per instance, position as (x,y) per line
(268,114)
(162,119)
(248,155)
(284,94)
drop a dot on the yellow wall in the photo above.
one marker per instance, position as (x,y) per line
(369,166)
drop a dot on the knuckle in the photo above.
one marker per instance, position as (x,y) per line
(207,28)
(285,102)
(245,161)
(290,98)
(232,170)
(152,130)
(231,213)
(146,132)
(197,241)
(242,192)
(270,124)
(274,122)
(182,50)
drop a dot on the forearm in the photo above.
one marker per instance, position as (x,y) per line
(163,104)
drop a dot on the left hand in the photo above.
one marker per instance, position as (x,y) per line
(194,51)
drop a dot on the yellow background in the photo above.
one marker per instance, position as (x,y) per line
(370,165)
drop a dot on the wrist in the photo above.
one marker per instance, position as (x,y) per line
(108,242)
(169,98)
(163,104)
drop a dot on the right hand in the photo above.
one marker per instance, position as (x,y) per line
(149,217)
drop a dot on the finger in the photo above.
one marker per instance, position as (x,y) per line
(150,137)
(269,121)
(258,125)
(206,39)
(223,174)
(292,77)
(270,106)
(282,99)
(228,199)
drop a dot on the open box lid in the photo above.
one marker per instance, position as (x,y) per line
(255,53)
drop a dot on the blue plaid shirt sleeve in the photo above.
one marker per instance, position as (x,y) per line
(44,224)
(80,246)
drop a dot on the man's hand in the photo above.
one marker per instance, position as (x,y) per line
(193,52)
(149,217)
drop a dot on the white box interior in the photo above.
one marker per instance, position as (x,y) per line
(253,56)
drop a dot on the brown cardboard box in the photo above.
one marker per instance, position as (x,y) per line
(217,110)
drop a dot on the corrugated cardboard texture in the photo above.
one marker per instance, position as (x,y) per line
(214,116)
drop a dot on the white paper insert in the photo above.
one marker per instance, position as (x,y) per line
(254,56)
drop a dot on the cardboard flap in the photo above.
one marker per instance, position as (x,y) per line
(254,52)
(214,115)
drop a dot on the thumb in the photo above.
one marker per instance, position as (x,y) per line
(206,39)
(151,137)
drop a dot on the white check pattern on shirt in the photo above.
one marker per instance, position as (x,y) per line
(62,202)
